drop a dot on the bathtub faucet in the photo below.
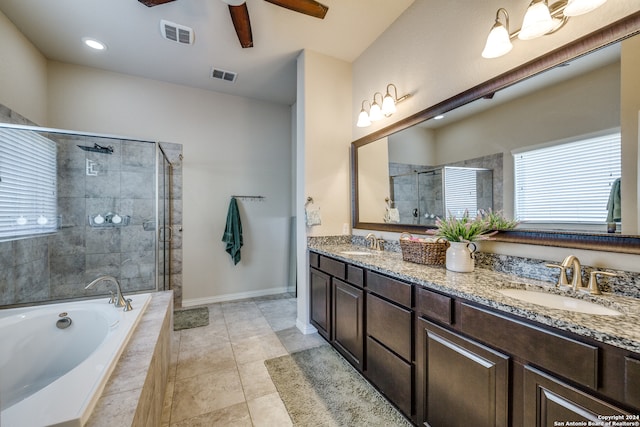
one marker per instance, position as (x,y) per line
(119,300)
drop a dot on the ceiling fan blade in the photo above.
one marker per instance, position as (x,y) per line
(151,3)
(308,7)
(242,24)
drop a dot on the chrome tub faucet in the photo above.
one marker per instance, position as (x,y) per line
(119,300)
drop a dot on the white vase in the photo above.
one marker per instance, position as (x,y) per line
(460,257)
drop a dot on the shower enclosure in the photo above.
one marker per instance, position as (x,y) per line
(421,196)
(77,206)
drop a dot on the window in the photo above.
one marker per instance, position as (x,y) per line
(569,182)
(27,184)
(460,191)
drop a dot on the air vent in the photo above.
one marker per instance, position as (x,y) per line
(176,33)
(217,73)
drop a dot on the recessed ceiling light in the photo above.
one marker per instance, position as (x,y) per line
(438,117)
(94,44)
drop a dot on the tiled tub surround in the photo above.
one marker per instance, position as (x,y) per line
(482,286)
(134,393)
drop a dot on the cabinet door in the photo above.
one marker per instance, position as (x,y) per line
(459,381)
(348,305)
(549,402)
(320,299)
(392,375)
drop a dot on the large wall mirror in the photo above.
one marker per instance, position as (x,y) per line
(406,175)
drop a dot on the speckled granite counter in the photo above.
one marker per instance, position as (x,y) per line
(482,286)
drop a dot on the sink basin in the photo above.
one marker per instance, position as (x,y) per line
(560,302)
(356,253)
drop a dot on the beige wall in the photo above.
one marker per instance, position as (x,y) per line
(433,52)
(23,74)
(373,184)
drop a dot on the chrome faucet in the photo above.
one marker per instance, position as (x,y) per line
(376,243)
(119,300)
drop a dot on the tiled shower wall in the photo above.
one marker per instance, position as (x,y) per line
(59,266)
(425,193)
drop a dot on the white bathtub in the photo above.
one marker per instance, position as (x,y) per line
(51,376)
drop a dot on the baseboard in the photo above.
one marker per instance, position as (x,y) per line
(233,297)
(305,328)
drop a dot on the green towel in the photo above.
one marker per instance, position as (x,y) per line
(233,232)
(614,206)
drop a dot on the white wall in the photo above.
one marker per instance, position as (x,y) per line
(433,52)
(23,74)
(232,145)
(322,144)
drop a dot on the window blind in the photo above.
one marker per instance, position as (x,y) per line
(460,192)
(569,182)
(27,184)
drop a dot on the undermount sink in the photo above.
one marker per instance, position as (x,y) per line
(355,253)
(560,302)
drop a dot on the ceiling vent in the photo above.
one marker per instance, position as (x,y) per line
(176,33)
(217,73)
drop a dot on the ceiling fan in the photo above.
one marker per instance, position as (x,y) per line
(240,13)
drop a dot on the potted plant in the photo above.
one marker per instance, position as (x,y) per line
(462,232)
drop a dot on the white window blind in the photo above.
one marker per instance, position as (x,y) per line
(27,184)
(569,182)
(460,192)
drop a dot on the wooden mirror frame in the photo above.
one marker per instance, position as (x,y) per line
(620,30)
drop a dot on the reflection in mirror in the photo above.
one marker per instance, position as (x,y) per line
(567,103)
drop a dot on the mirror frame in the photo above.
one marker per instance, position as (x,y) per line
(613,33)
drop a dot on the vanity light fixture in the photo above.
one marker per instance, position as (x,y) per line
(363,117)
(389,102)
(580,7)
(377,112)
(539,20)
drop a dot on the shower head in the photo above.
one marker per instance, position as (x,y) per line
(98,149)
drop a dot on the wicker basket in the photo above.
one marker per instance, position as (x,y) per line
(430,253)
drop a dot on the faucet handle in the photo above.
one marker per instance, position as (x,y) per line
(593,287)
(112,298)
(562,279)
(127,305)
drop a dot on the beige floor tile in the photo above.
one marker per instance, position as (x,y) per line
(241,329)
(258,348)
(231,416)
(205,393)
(198,337)
(269,411)
(255,379)
(205,359)
(294,340)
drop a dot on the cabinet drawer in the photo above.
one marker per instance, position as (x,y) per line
(434,305)
(632,381)
(314,259)
(389,324)
(389,288)
(333,267)
(571,359)
(355,275)
(392,375)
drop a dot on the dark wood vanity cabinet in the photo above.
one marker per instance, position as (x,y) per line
(461,382)
(389,344)
(348,325)
(446,362)
(337,305)
(320,300)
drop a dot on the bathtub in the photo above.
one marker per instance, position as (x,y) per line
(52,376)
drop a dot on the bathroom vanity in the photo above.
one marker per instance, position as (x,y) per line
(449,349)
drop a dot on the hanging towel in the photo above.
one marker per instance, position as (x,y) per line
(312,216)
(392,215)
(614,206)
(233,232)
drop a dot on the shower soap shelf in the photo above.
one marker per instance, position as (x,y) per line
(108,220)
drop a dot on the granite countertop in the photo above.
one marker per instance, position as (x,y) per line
(482,286)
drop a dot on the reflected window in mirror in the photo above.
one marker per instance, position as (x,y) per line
(574,183)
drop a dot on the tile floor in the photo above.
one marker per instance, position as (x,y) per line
(217,375)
